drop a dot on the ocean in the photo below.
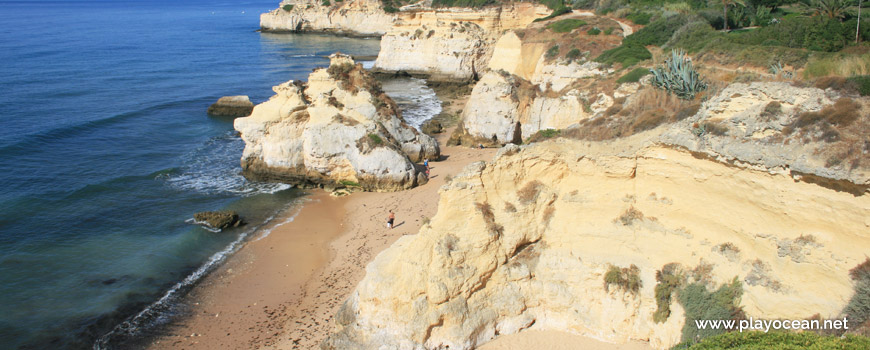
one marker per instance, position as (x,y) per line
(106,151)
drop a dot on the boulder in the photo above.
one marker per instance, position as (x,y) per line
(231,106)
(431,126)
(218,219)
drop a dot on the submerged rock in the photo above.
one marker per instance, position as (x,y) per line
(231,106)
(337,130)
(218,219)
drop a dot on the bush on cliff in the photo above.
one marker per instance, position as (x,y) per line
(858,308)
(780,340)
(626,278)
(701,304)
(566,25)
(556,13)
(462,3)
(669,279)
(627,55)
(288,8)
(633,76)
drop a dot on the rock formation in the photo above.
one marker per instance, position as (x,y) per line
(351,17)
(451,44)
(231,106)
(338,129)
(218,220)
(525,241)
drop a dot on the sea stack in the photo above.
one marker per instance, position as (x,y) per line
(231,106)
(337,130)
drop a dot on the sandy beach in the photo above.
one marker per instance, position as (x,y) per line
(282,290)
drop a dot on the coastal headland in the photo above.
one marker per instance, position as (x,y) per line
(597,187)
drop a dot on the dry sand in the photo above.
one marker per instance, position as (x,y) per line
(281,291)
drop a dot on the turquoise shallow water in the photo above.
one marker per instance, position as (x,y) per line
(106,150)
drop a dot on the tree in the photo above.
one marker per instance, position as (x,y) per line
(725,4)
(835,9)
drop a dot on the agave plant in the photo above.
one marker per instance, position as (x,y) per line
(678,76)
(779,70)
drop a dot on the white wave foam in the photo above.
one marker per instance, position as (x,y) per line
(159,311)
(213,168)
(297,209)
(417,101)
(203,224)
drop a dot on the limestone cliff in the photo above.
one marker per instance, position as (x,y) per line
(351,17)
(525,240)
(452,44)
(534,84)
(337,129)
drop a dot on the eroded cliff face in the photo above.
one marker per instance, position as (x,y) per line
(351,17)
(526,89)
(525,240)
(339,129)
(451,44)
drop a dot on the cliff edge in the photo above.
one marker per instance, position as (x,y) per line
(528,240)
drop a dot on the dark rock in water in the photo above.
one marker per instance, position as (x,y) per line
(431,126)
(232,106)
(218,219)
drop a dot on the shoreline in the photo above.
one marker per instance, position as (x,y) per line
(282,290)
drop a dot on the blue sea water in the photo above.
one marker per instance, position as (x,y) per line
(106,150)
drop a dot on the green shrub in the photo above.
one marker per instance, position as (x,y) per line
(658,32)
(325,3)
(594,31)
(700,304)
(348,183)
(608,31)
(462,3)
(813,33)
(641,18)
(669,280)
(376,139)
(552,52)
(556,13)
(288,8)
(678,76)
(781,340)
(858,308)
(390,9)
(862,82)
(627,55)
(566,25)
(627,278)
(633,76)
(573,54)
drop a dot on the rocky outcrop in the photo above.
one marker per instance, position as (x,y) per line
(525,241)
(218,220)
(351,17)
(231,106)
(752,121)
(339,129)
(505,108)
(451,44)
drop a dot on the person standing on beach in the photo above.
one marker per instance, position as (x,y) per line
(391,219)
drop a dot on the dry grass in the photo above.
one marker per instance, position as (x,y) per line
(489,218)
(630,216)
(529,192)
(626,278)
(842,65)
(510,208)
(647,109)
